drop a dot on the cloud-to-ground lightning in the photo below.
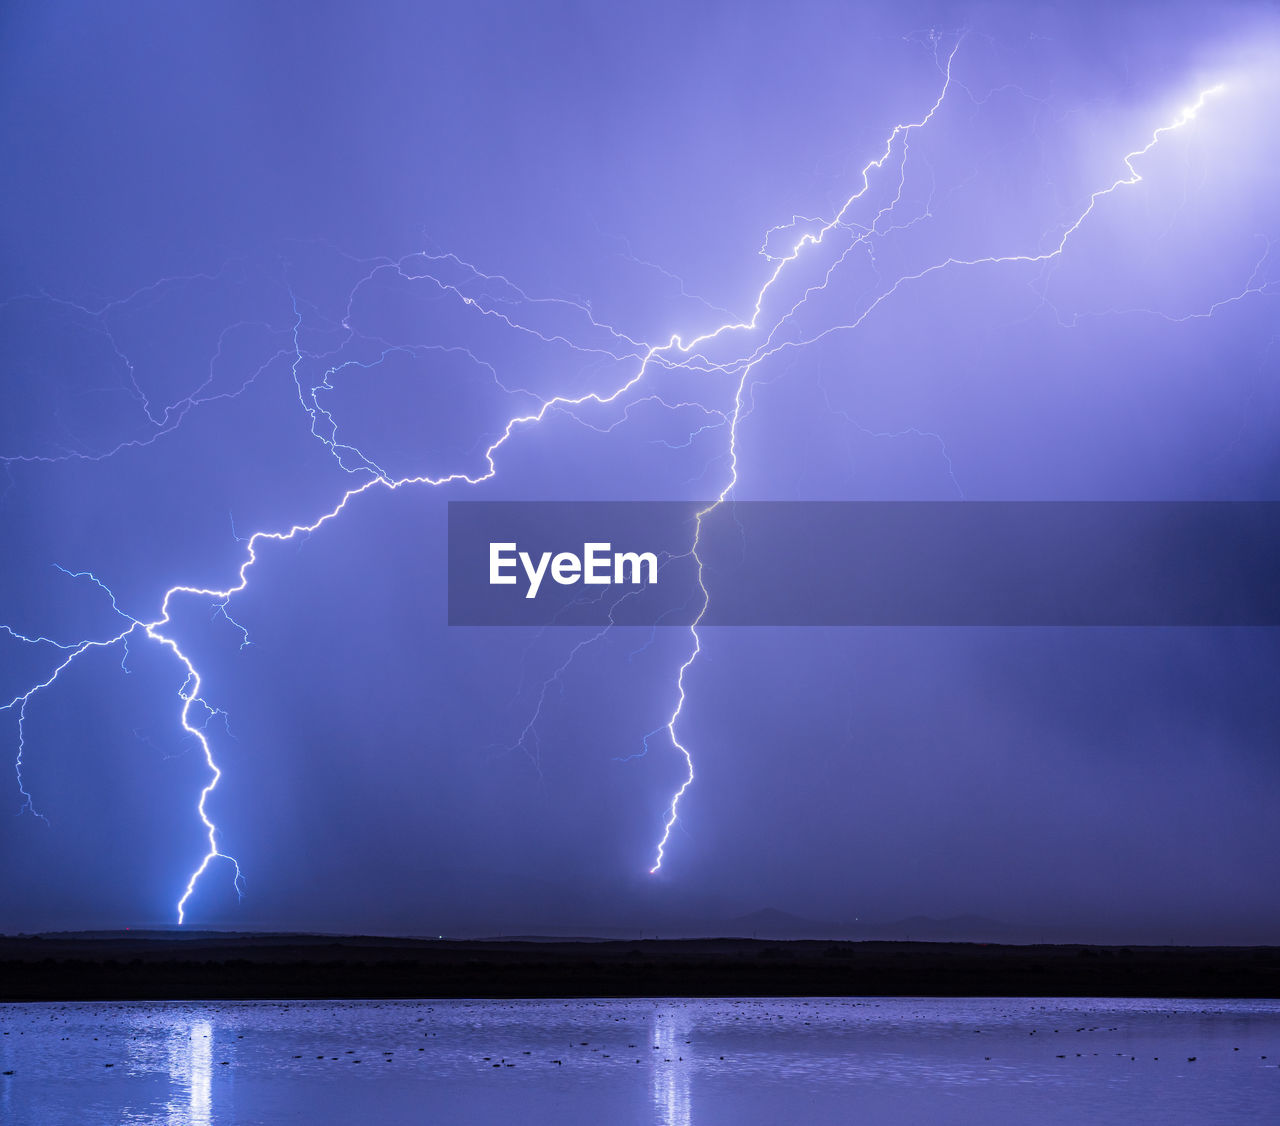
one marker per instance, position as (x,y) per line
(764,335)
(769,348)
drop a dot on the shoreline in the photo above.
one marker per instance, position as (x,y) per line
(213,967)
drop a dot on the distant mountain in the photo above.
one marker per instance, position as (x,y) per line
(668,919)
(769,922)
(957,928)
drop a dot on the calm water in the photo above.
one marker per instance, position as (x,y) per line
(675,1062)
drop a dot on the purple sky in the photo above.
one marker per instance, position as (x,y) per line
(254,258)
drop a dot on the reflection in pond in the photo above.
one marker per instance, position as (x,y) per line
(672,1062)
(190,1069)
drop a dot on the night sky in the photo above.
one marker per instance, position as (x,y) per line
(256,256)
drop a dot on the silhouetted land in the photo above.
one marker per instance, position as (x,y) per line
(219,966)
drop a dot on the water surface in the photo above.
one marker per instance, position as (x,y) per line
(677,1062)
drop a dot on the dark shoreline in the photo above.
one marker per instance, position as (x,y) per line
(297,967)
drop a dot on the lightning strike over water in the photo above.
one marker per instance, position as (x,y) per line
(717,388)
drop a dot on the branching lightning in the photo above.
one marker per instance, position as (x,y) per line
(766,335)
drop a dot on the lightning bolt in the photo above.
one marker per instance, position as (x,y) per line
(492,297)
(769,349)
